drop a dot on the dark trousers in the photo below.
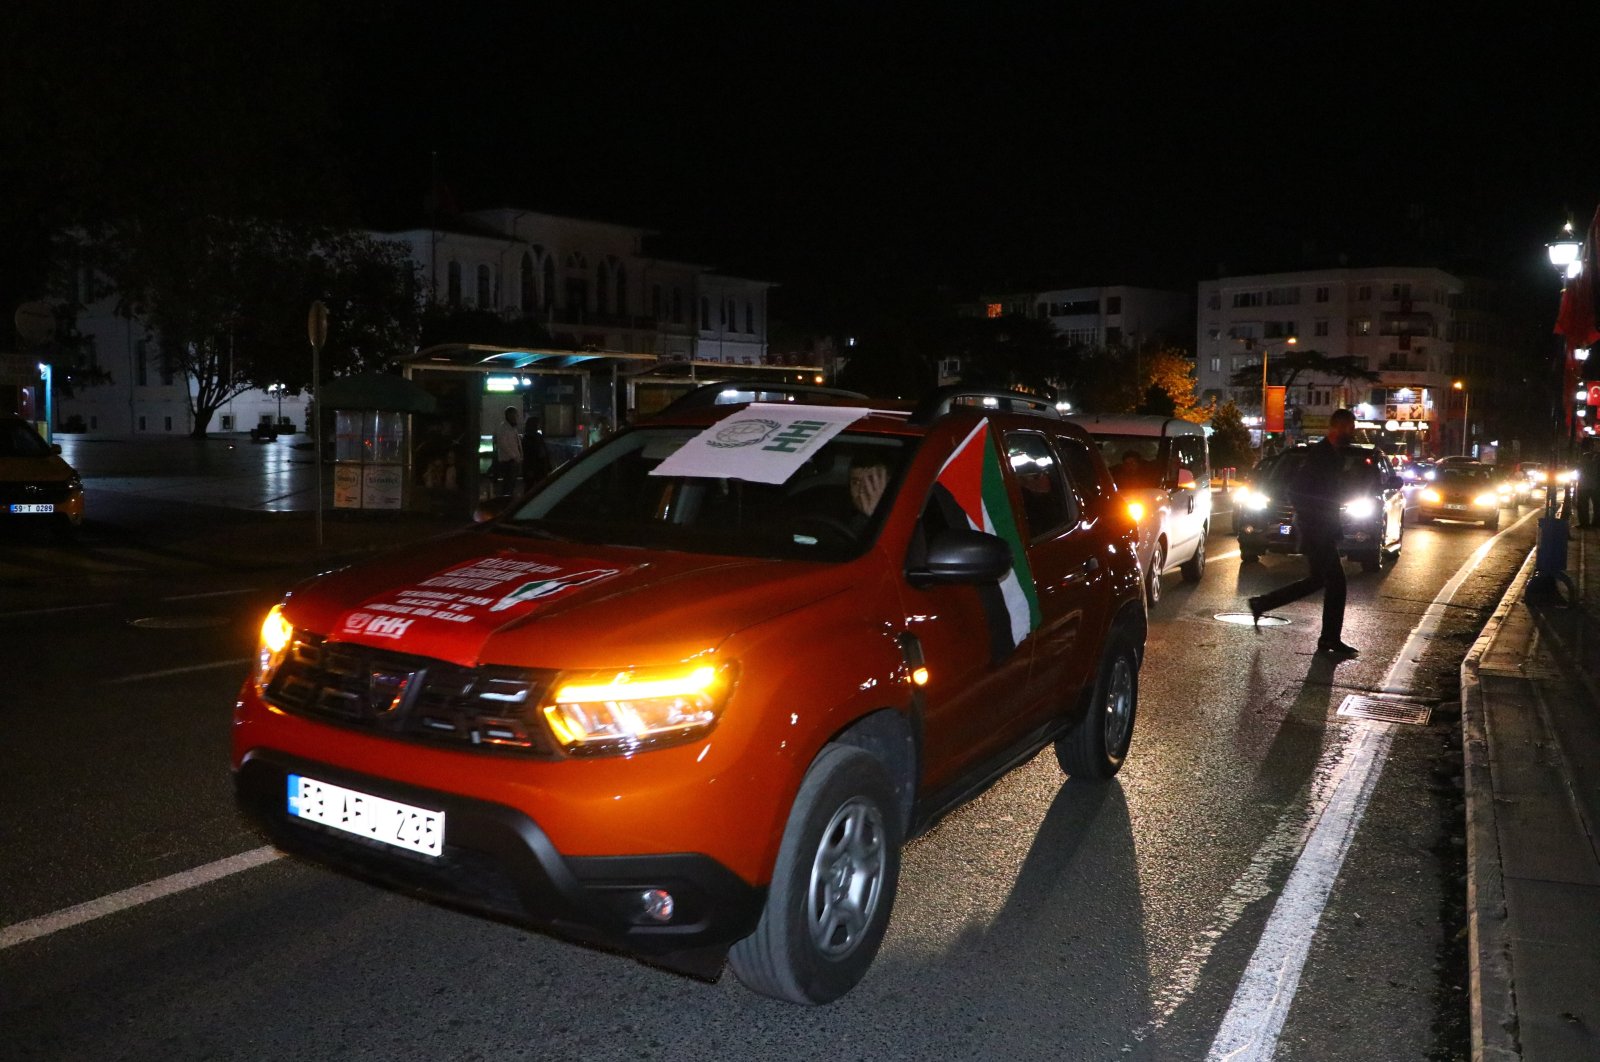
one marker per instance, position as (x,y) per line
(1327,575)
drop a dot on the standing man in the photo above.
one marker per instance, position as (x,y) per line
(507,453)
(535,457)
(1588,487)
(1316,494)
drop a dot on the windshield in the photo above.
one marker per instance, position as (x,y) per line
(1464,477)
(829,509)
(17,439)
(1134,460)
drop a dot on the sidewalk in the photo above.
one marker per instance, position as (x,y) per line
(1531,743)
(228,498)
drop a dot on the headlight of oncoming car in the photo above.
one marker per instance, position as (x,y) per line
(1431,496)
(1484,501)
(1360,508)
(273,646)
(1254,499)
(618,711)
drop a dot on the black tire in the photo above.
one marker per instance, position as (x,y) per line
(1094,749)
(1494,524)
(1424,519)
(1195,566)
(1372,561)
(1152,578)
(1249,556)
(833,885)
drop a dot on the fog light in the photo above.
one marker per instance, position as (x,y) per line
(657,904)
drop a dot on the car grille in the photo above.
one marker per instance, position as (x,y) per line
(35,492)
(487,709)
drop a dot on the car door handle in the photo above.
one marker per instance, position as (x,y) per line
(1086,569)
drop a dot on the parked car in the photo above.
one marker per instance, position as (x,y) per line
(1468,492)
(688,698)
(1373,517)
(36,484)
(1162,465)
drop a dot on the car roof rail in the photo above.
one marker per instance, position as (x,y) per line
(945,399)
(714,394)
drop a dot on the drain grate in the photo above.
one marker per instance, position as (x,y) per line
(1385,709)
(1246,620)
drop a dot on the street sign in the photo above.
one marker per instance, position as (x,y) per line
(317,325)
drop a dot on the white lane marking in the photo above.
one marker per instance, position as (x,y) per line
(1249,1032)
(214,665)
(53,611)
(1250,1029)
(44,925)
(1399,678)
(1294,832)
(213,593)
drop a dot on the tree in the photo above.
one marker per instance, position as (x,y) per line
(228,297)
(1168,375)
(1289,366)
(1230,439)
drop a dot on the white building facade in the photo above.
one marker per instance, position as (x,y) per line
(589,284)
(1403,323)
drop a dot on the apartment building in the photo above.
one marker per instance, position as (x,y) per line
(1411,325)
(589,284)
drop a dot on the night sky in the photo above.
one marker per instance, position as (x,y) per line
(855,150)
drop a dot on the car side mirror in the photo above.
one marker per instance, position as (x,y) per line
(1185,479)
(962,557)
(55,448)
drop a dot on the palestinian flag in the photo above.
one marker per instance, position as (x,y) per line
(971,480)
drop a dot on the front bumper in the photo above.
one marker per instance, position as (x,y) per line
(498,861)
(1270,532)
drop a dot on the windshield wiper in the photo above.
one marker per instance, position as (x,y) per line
(530,530)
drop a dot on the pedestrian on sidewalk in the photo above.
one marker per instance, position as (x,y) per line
(1316,494)
(507,454)
(1588,486)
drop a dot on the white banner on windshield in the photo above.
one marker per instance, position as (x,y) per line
(763,443)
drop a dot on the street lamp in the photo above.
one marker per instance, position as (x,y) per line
(1550,550)
(1466,401)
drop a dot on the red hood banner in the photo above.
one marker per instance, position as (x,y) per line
(450,613)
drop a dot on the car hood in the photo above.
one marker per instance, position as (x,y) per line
(477,598)
(49,468)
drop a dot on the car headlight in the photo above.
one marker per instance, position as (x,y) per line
(1360,508)
(620,711)
(1486,500)
(1431,496)
(272,646)
(1254,499)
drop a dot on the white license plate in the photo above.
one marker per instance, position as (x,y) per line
(44,507)
(414,829)
(1285,529)
(1455,507)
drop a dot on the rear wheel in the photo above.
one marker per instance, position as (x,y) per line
(833,885)
(1195,566)
(1097,744)
(1249,556)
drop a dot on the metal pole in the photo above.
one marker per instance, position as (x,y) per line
(317,332)
(1466,404)
(1263,401)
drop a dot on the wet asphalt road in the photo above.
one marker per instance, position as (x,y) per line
(1045,920)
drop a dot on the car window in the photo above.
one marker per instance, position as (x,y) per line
(1082,473)
(829,509)
(1046,502)
(1191,451)
(1134,460)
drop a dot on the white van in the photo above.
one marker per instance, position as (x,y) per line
(1163,465)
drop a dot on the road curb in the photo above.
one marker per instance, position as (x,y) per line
(1493,1000)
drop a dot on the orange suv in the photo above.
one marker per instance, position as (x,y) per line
(689,698)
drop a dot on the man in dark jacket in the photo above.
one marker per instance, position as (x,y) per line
(1316,493)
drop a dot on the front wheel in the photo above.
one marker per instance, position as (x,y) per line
(1152,578)
(1098,742)
(1371,562)
(1195,566)
(1249,556)
(832,887)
